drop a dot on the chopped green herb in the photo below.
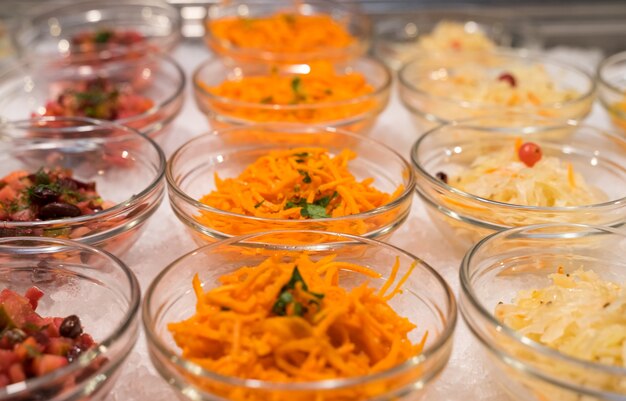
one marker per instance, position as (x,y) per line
(296,87)
(103,36)
(285,297)
(314,211)
(32,351)
(41,177)
(307,178)
(258,205)
(302,154)
(325,200)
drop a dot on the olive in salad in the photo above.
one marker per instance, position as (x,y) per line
(98,98)
(32,345)
(47,194)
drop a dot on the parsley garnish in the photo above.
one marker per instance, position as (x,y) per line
(307,177)
(103,36)
(285,297)
(259,204)
(296,87)
(311,210)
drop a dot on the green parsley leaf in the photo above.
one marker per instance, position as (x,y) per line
(307,177)
(259,204)
(103,36)
(314,211)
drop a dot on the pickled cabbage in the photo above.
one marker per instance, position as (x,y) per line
(502,177)
(579,315)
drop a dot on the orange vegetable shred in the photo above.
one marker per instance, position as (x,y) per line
(285,321)
(323,94)
(282,33)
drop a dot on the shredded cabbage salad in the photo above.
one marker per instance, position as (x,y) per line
(475,81)
(579,315)
(501,176)
(449,35)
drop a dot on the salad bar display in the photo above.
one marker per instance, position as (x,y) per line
(288,263)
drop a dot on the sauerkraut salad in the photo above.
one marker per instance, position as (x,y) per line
(579,315)
(515,85)
(514,177)
(449,35)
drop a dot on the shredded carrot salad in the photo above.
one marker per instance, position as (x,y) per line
(299,183)
(284,321)
(282,33)
(318,92)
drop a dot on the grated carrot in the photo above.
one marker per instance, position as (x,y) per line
(282,32)
(317,91)
(293,184)
(321,331)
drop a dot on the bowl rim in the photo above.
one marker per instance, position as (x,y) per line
(356,49)
(188,366)
(379,91)
(102,346)
(127,204)
(468,293)
(298,129)
(78,7)
(511,54)
(522,130)
(620,56)
(19,68)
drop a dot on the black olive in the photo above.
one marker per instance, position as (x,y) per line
(71,327)
(42,195)
(442,176)
(70,183)
(58,210)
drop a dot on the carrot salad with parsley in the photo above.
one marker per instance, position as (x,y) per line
(323,95)
(282,33)
(289,319)
(300,183)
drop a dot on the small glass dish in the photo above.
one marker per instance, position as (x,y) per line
(426,301)
(191,169)
(80,280)
(27,87)
(357,115)
(611,79)
(397,38)
(126,166)
(356,24)
(465,218)
(449,86)
(505,263)
(54,33)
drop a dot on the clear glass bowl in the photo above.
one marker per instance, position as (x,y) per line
(427,301)
(31,83)
(597,155)
(611,79)
(419,78)
(49,35)
(358,25)
(357,115)
(126,166)
(397,37)
(191,169)
(76,280)
(503,264)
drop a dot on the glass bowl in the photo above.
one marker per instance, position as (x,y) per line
(81,280)
(51,34)
(503,264)
(357,25)
(26,88)
(357,115)
(611,79)
(191,169)
(397,37)
(597,155)
(426,301)
(429,87)
(126,166)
